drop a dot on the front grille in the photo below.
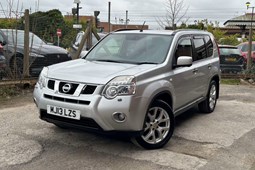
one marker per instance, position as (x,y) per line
(84,122)
(73,87)
(51,84)
(89,89)
(61,99)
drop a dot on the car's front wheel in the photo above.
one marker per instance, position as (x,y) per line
(158,126)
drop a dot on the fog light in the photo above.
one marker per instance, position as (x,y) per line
(119,117)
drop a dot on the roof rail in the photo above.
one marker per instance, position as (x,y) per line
(124,29)
(187,29)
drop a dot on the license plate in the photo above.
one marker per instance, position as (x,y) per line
(63,112)
(230,59)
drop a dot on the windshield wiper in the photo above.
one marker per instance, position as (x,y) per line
(146,62)
(105,60)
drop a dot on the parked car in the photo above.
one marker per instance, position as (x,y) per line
(41,54)
(244,47)
(231,59)
(133,82)
(77,41)
(2,63)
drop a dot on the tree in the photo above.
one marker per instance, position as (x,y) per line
(230,40)
(176,11)
(45,24)
(7,23)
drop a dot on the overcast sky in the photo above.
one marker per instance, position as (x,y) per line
(138,10)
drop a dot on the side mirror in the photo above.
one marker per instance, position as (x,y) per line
(184,61)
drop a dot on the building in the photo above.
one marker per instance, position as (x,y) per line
(239,25)
(104,26)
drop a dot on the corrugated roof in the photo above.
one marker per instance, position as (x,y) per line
(241,20)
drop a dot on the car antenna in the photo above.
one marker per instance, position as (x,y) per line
(141,30)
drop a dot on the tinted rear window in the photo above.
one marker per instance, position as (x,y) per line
(200,48)
(229,51)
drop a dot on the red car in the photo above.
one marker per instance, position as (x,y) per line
(244,47)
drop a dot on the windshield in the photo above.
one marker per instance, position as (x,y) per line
(132,48)
(11,35)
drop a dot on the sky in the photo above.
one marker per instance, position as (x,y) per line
(138,10)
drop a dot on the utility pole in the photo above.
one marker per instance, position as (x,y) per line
(26,46)
(109,16)
(249,59)
(126,18)
(78,13)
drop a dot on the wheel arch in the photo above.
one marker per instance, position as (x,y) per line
(18,54)
(164,96)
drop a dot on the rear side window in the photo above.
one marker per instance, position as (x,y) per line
(209,46)
(200,48)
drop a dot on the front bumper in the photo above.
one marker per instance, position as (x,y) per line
(96,111)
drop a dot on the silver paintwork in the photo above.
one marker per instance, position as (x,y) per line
(186,85)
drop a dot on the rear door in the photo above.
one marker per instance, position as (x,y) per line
(202,63)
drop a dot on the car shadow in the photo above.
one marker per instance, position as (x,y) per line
(123,138)
(186,116)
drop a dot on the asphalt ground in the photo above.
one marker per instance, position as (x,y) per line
(221,140)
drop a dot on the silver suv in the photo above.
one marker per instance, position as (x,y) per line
(133,82)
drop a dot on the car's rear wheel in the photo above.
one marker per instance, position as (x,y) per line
(208,105)
(158,126)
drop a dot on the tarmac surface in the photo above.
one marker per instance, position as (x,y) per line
(221,140)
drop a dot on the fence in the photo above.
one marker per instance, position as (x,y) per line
(23,54)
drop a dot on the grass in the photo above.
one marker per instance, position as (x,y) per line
(6,92)
(230,81)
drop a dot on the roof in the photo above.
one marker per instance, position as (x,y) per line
(168,32)
(163,32)
(243,20)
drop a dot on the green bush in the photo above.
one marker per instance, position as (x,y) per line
(8,91)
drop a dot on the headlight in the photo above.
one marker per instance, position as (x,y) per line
(42,81)
(121,85)
(35,55)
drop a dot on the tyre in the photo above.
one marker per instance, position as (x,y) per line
(158,126)
(208,105)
